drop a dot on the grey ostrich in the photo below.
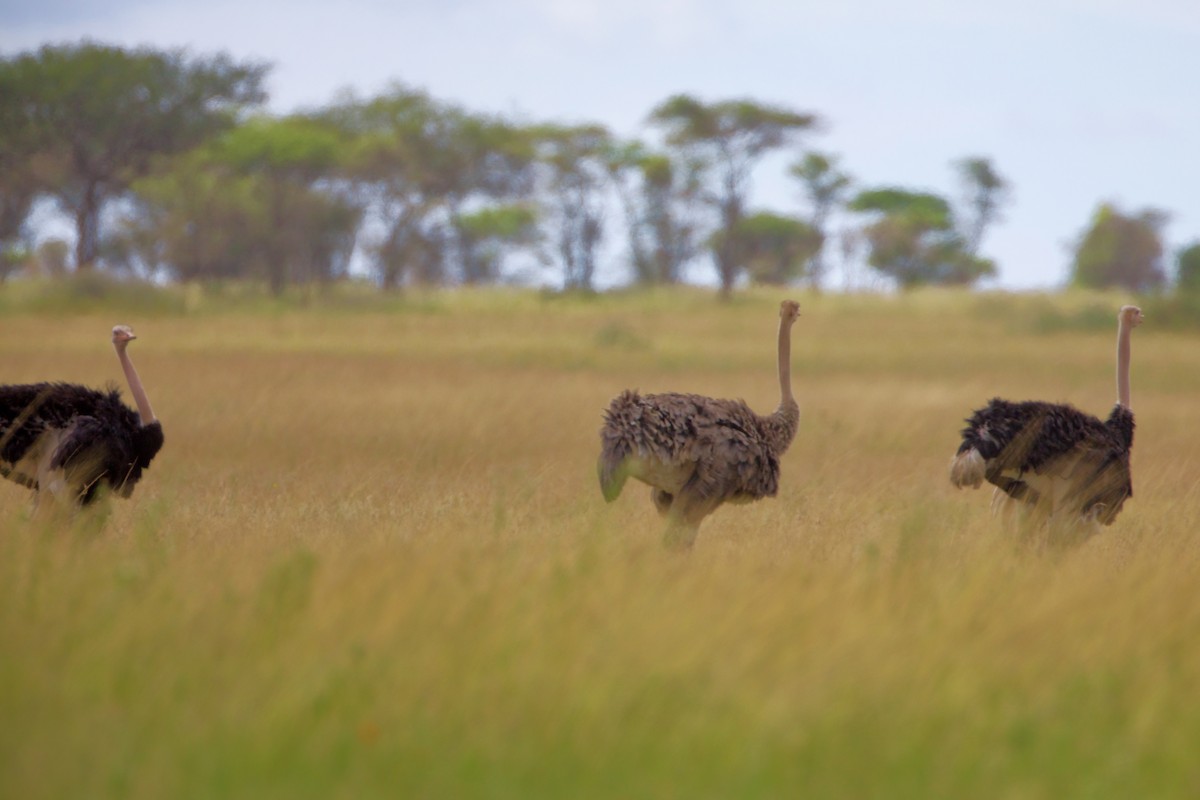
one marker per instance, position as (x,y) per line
(69,440)
(1052,463)
(698,452)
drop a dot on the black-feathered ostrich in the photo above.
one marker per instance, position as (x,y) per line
(698,452)
(69,441)
(1052,461)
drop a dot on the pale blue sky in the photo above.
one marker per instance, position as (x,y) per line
(1075,101)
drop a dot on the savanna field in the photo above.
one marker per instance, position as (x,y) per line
(372,559)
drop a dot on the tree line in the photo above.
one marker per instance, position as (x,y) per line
(170,169)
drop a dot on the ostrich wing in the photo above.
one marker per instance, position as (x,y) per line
(650,437)
(1015,438)
(670,440)
(736,464)
(17,437)
(21,424)
(84,456)
(1095,480)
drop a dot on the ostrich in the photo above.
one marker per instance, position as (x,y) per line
(1052,460)
(70,440)
(698,452)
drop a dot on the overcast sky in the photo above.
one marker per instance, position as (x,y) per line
(1075,101)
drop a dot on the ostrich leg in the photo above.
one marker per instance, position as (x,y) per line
(684,518)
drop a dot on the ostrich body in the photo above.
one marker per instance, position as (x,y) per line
(698,452)
(70,440)
(1052,459)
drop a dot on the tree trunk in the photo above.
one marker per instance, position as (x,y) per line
(727,254)
(87,229)
(727,267)
(726,292)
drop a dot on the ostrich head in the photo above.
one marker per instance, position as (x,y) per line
(789,310)
(1131,316)
(122,335)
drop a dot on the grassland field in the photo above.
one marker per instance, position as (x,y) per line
(372,560)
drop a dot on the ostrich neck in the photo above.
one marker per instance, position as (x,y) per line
(785,366)
(787,417)
(135,388)
(1123,331)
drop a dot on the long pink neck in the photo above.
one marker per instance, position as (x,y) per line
(780,427)
(1123,331)
(135,387)
(786,400)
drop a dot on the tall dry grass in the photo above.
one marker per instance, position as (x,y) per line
(372,561)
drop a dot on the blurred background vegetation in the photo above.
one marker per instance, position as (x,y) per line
(163,166)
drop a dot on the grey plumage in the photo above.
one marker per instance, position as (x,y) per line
(1051,462)
(696,452)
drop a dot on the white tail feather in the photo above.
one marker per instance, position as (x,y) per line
(968,469)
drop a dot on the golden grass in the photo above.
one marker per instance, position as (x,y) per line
(372,561)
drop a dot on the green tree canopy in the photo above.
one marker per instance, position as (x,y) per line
(663,201)
(99,117)
(825,187)
(913,241)
(1121,250)
(426,166)
(928,210)
(18,176)
(575,160)
(394,152)
(775,249)
(728,137)
(985,191)
(488,232)
(255,202)
(1188,268)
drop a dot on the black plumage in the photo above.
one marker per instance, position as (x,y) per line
(69,442)
(89,437)
(1065,466)
(1028,447)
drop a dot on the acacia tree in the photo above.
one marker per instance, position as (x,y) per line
(825,187)
(480,160)
(425,168)
(18,182)
(193,222)
(16,200)
(488,233)
(729,138)
(258,201)
(912,239)
(984,192)
(102,115)
(309,230)
(622,163)
(663,202)
(1188,268)
(1120,249)
(575,162)
(393,142)
(775,248)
